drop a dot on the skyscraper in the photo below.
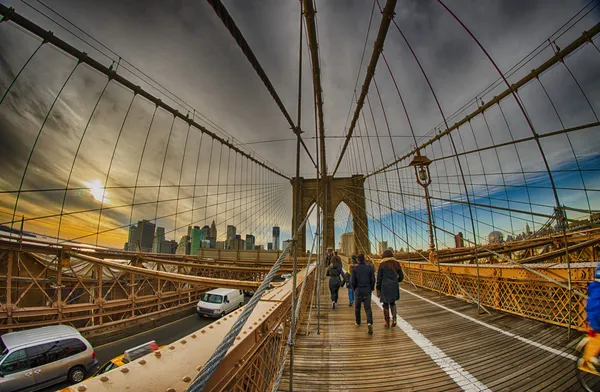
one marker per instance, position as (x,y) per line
(144,235)
(196,240)
(159,237)
(383,245)
(131,240)
(250,242)
(231,231)
(269,246)
(230,236)
(276,237)
(347,245)
(213,230)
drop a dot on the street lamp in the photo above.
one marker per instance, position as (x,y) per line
(421,164)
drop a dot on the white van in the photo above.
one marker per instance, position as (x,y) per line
(218,302)
(39,357)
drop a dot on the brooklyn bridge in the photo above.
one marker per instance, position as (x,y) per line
(150,154)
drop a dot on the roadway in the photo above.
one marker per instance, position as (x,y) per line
(164,334)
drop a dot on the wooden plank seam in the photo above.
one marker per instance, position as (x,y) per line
(494,328)
(457,373)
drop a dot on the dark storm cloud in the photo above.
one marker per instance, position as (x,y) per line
(187,49)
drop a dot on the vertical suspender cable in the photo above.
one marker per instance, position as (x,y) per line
(296,209)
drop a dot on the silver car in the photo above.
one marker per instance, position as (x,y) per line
(36,358)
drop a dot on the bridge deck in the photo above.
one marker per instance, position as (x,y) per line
(433,348)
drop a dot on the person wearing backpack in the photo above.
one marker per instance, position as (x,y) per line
(363,283)
(389,277)
(336,280)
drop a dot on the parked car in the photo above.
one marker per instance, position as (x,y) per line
(36,358)
(129,355)
(217,303)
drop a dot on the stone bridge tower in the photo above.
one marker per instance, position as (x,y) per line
(349,190)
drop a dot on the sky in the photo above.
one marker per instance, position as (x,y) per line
(185,48)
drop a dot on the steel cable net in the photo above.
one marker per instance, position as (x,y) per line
(497,173)
(515,168)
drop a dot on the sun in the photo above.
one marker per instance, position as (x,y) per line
(96,189)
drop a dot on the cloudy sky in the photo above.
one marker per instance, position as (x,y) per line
(186,49)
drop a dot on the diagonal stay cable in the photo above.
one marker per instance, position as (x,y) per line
(388,15)
(211,365)
(237,35)
(296,315)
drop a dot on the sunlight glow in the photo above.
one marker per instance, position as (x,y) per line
(96,189)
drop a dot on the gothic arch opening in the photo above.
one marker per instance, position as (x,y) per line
(343,221)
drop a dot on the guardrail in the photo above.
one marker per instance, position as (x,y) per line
(250,364)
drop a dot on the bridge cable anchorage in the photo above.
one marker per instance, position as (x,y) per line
(237,35)
(388,16)
(211,365)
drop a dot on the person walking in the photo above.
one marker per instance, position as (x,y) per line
(389,276)
(336,276)
(347,278)
(363,283)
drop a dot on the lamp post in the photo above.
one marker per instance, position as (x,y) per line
(421,164)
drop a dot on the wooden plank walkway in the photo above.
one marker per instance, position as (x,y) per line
(432,349)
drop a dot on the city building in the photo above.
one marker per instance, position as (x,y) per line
(495,237)
(347,244)
(213,230)
(231,230)
(196,240)
(132,238)
(183,247)
(259,247)
(168,247)
(250,242)
(383,245)
(212,242)
(269,246)
(276,233)
(527,229)
(459,241)
(144,236)
(237,243)
(220,245)
(159,237)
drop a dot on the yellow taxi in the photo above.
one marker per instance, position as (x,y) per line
(130,355)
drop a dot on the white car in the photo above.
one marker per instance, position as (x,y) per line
(217,303)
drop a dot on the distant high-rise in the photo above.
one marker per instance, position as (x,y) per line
(527,229)
(269,246)
(196,240)
(213,230)
(144,235)
(347,245)
(168,247)
(250,242)
(276,237)
(231,230)
(230,236)
(383,245)
(159,237)
(131,240)
(459,241)
(182,247)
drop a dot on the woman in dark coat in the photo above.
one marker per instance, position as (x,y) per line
(389,276)
(336,277)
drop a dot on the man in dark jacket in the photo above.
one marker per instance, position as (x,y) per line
(389,276)
(363,283)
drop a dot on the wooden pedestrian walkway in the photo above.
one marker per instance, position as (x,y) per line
(440,344)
